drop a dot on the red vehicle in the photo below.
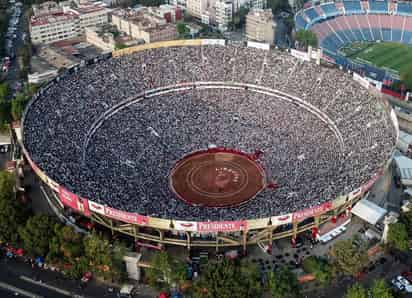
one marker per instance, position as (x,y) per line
(6,64)
(86,277)
(407,275)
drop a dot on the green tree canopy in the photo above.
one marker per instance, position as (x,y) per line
(18,105)
(380,290)
(356,291)
(166,271)
(319,267)
(306,38)
(12,213)
(228,279)
(4,91)
(182,29)
(278,6)
(398,236)
(349,257)
(36,234)
(406,77)
(283,284)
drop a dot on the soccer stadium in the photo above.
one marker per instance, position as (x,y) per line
(363,34)
(203,143)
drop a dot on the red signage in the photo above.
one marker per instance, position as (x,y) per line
(221,226)
(313,211)
(69,199)
(133,218)
(86,209)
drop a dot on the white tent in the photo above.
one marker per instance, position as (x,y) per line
(368,211)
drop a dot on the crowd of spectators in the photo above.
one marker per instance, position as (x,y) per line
(128,159)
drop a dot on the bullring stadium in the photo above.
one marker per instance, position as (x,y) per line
(203,143)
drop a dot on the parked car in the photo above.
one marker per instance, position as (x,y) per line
(402,284)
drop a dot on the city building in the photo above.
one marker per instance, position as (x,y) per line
(51,22)
(237,4)
(54,27)
(142,24)
(260,25)
(223,13)
(41,71)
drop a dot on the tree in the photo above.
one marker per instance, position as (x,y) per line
(356,291)
(406,77)
(36,234)
(406,219)
(182,29)
(12,214)
(228,279)
(380,290)
(283,284)
(306,38)
(319,267)
(4,91)
(5,108)
(349,257)
(105,259)
(18,105)
(166,271)
(239,18)
(398,236)
(278,6)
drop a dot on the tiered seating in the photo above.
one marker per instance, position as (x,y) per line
(300,22)
(351,21)
(353,7)
(404,9)
(330,10)
(378,7)
(312,15)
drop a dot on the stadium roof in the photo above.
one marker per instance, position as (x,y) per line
(369,211)
(405,168)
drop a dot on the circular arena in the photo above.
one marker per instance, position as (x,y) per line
(196,138)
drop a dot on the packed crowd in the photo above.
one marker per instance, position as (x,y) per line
(129,158)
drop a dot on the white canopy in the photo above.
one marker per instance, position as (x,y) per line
(368,211)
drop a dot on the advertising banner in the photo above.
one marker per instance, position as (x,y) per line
(281,220)
(300,55)
(221,226)
(258,45)
(124,216)
(185,225)
(354,194)
(217,42)
(361,80)
(313,211)
(69,199)
(85,207)
(96,207)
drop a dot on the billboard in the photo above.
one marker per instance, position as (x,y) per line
(300,55)
(216,42)
(96,207)
(221,226)
(281,219)
(312,211)
(361,80)
(124,216)
(185,225)
(85,207)
(258,45)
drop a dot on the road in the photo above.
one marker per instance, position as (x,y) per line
(17,276)
(13,73)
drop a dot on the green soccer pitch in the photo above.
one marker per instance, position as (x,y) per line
(390,55)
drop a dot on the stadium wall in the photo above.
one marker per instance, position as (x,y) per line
(244,232)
